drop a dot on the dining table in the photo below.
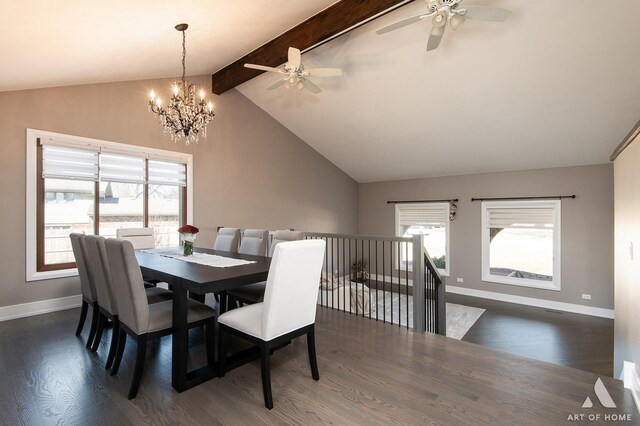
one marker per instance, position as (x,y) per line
(184,278)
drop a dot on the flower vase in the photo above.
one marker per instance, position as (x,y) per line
(187,244)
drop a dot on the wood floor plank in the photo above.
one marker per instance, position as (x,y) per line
(370,373)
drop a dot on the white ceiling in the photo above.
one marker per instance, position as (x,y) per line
(555,85)
(48,43)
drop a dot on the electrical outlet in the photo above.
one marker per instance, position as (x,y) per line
(460,280)
(586,296)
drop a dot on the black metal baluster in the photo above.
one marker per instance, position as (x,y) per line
(344,287)
(384,284)
(377,280)
(391,268)
(406,276)
(350,276)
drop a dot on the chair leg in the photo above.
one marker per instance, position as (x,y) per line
(222,350)
(210,341)
(115,334)
(122,341)
(266,376)
(313,360)
(94,325)
(83,317)
(141,355)
(102,324)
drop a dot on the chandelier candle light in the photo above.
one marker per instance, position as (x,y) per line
(185,117)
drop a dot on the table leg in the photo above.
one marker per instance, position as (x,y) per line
(180,341)
(223,301)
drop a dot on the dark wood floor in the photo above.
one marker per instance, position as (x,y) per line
(370,373)
(573,340)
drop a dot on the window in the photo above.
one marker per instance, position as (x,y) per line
(521,243)
(95,187)
(431,220)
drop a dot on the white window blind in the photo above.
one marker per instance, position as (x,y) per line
(167,173)
(64,162)
(423,214)
(122,168)
(523,218)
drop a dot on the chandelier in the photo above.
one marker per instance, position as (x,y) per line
(185,117)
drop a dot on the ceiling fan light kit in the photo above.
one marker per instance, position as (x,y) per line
(295,75)
(443,11)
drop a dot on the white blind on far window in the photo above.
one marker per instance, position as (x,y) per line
(524,218)
(167,173)
(61,162)
(423,214)
(122,168)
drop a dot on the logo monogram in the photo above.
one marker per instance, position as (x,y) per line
(602,394)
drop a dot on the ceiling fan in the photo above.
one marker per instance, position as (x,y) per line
(441,11)
(294,73)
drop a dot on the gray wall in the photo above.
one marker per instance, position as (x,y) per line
(587,224)
(627,270)
(249,172)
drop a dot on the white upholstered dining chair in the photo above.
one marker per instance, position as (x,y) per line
(254,242)
(227,240)
(141,238)
(288,309)
(254,293)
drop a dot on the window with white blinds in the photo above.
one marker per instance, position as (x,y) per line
(521,243)
(77,184)
(431,220)
(167,173)
(63,162)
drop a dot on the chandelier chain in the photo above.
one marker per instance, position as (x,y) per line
(184,54)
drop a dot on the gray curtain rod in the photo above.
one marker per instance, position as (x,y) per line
(455,200)
(553,197)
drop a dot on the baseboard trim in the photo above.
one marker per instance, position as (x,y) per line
(40,307)
(530,301)
(632,381)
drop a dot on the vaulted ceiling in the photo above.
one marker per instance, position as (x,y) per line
(555,85)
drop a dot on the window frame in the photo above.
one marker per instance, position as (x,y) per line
(398,207)
(555,284)
(35,268)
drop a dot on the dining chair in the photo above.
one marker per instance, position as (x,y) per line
(227,240)
(141,238)
(254,293)
(293,276)
(107,303)
(87,286)
(254,242)
(143,321)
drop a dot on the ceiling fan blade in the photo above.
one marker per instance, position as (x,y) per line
(324,72)
(311,86)
(276,84)
(435,37)
(262,68)
(294,58)
(402,23)
(482,13)
(455,21)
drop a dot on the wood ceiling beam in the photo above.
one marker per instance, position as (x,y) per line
(344,16)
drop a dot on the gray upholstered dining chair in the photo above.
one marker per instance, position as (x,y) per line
(87,286)
(254,293)
(227,240)
(294,275)
(107,303)
(141,238)
(143,321)
(254,242)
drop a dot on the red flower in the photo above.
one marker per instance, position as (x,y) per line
(188,229)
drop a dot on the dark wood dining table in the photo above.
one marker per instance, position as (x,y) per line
(188,277)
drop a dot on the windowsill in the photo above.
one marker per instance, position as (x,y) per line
(50,275)
(521,282)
